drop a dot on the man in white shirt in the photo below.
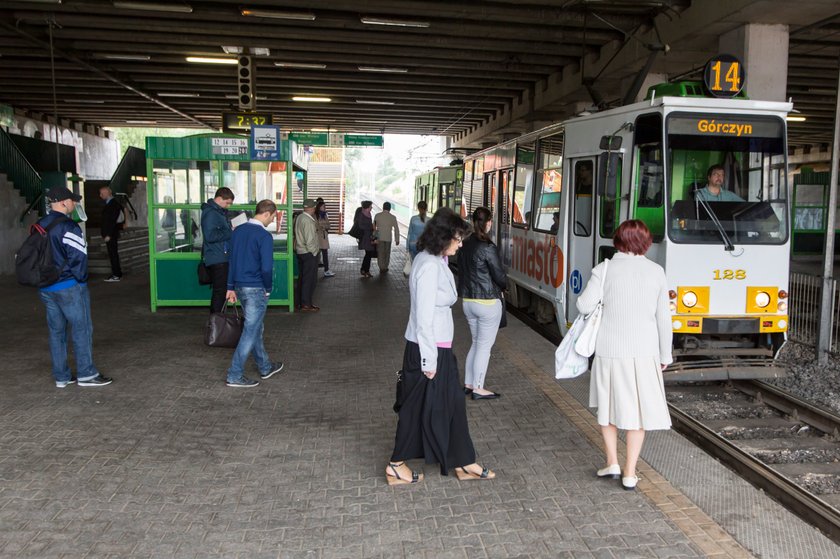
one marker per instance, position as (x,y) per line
(307,249)
(384,223)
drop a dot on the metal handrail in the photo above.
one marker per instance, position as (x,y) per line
(24,177)
(31,207)
(131,210)
(133,160)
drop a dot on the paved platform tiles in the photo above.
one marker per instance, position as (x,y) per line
(169,462)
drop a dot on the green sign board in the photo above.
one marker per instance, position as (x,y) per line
(363,140)
(310,138)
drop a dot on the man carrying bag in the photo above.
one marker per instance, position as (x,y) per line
(250,282)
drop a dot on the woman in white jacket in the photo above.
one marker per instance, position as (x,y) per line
(632,348)
(430,402)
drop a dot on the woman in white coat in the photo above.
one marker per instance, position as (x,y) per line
(632,348)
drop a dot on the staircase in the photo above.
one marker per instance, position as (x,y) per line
(13,231)
(324,180)
(133,247)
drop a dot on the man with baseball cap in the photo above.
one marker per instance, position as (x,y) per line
(68,300)
(307,248)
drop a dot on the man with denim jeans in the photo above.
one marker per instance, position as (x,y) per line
(250,281)
(67,300)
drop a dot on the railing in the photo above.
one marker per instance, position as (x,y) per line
(125,202)
(133,164)
(24,177)
(805,300)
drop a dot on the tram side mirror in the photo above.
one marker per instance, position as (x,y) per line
(609,167)
(610,143)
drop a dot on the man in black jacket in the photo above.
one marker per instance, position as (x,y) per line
(113,219)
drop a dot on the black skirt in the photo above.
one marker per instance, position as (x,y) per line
(432,414)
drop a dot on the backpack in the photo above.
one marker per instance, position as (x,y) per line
(34,262)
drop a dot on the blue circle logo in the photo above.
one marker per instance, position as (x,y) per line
(577,281)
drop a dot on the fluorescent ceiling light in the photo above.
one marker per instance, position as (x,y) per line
(235,96)
(141,122)
(41,1)
(275,14)
(86,101)
(793,118)
(260,51)
(208,60)
(383,69)
(373,121)
(302,65)
(319,129)
(153,7)
(232,50)
(207,116)
(140,57)
(319,119)
(372,102)
(177,94)
(307,99)
(393,22)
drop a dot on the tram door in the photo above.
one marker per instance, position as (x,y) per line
(501,221)
(581,257)
(490,201)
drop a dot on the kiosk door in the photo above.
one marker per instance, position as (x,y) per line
(582,231)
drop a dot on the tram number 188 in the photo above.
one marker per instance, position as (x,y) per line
(730,275)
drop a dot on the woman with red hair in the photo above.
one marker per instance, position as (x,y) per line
(632,348)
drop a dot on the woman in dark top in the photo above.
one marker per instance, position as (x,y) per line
(481,280)
(430,403)
(364,221)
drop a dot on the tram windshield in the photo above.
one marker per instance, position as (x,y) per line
(727,180)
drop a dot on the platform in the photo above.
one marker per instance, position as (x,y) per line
(169,462)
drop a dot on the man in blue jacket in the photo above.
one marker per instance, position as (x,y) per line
(68,300)
(216,231)
(250,282)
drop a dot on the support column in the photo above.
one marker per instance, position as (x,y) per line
(763,49)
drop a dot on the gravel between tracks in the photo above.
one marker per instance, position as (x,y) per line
(808,379)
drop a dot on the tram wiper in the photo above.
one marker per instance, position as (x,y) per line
(727,243)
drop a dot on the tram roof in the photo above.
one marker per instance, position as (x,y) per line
(455,68)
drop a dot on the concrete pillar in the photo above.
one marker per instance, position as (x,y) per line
(763,49)
(650,79)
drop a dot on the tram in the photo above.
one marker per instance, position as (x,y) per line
(441,187)
(558,194)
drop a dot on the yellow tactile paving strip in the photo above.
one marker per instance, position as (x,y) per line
(701,529)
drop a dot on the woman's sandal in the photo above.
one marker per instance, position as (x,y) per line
(395,479)
(464,474)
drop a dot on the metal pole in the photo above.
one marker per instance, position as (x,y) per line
(826,307)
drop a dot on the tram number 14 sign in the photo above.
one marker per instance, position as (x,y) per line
(724,76)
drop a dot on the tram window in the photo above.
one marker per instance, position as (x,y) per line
(550,178)
(609,207)
(649,174)
(582,216)
(523,190)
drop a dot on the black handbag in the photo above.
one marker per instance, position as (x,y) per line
(400,397)
(204,277)
(356,232)
(224,328)
(503,320)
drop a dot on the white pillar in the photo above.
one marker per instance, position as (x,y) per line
(763,49)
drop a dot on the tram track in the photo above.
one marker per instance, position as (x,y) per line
(783,445)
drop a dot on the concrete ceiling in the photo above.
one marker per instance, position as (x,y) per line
(475,71)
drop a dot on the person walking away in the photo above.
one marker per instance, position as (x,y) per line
(216,233)
(249,281)
(415,228)
(388,231)
(364,222)
(113,219)
(307,250)
(67,300)
(632,348)
(481,280)
(432,412)
(323,235)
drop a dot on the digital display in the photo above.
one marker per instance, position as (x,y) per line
(724,76)
(242,122)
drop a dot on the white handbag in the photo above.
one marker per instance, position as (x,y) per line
(407,267)
(567,362)
(585,343)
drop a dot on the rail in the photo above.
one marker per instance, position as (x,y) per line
(132,164)
(24,177)
(31,207)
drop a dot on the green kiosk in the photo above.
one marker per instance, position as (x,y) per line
(182,173)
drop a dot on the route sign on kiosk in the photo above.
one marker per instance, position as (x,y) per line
(724,76)
(265,143)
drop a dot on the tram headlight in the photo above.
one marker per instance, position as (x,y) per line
(762,299)
(782,306)
(689,299)
(783,294)
(673,306)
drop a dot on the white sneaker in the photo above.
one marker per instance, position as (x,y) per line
(629,483)
(113,279)
(329,274)
(612,471)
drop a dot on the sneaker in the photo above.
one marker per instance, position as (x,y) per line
(275,368)
(329,274)
(98,380)
(113,279)
(64,383)
(243,383)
